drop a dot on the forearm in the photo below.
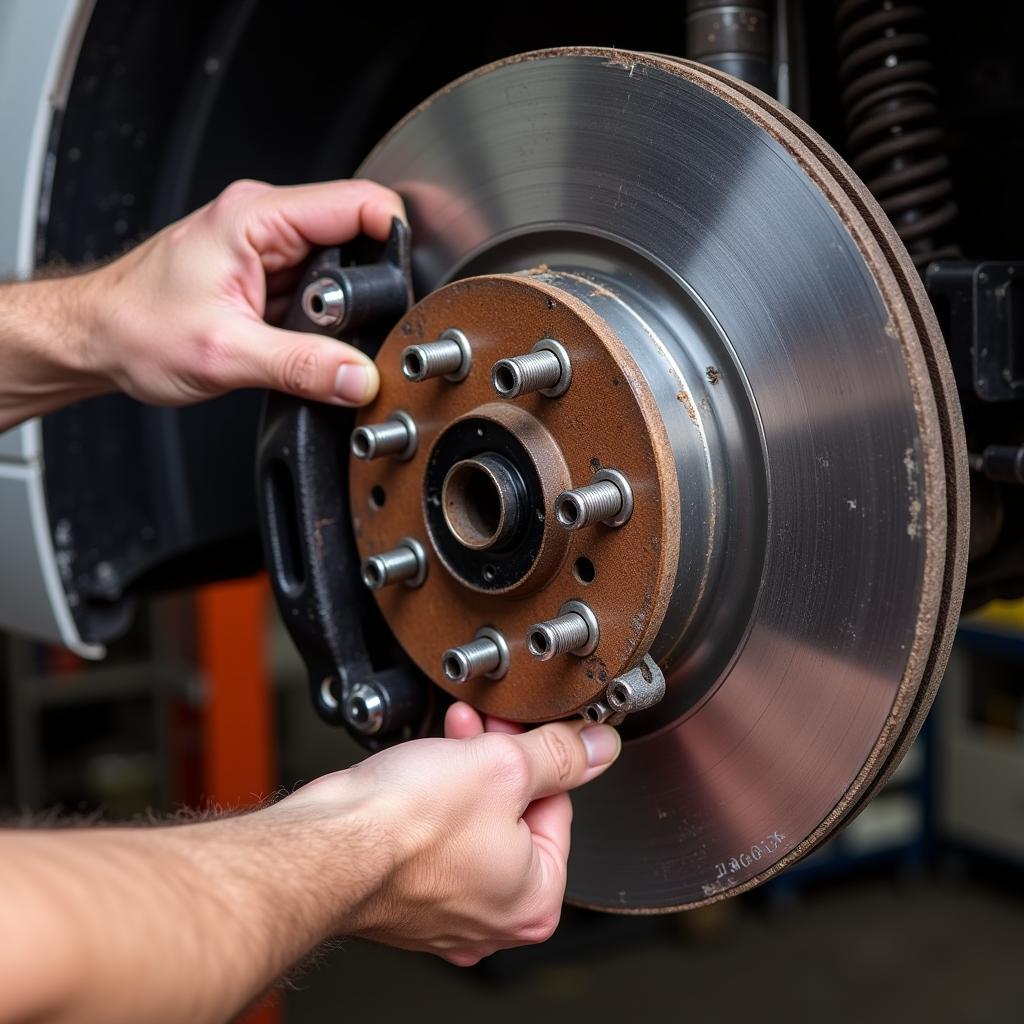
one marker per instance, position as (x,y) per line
(169,924)
(46,329)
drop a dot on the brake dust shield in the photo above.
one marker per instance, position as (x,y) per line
(812,422)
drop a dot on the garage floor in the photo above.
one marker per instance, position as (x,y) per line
(875,950)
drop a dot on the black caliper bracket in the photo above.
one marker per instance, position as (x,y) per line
(358,676)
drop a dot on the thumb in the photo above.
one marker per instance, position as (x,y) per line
(306,365)
(563,755)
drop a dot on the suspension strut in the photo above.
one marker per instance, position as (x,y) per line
(894,136)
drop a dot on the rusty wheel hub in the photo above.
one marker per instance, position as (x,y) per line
(480,492)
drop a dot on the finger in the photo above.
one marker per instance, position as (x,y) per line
(563,755)
(462,722)
(492,724)
(290,219)
(306,365)
(550,821)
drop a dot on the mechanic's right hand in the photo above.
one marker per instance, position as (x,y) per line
(478,825)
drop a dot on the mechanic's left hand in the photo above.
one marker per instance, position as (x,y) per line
(182,317)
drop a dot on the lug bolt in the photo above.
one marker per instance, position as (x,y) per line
(396,436)
(323,302)
(449,357)
(406,564)
(546,369)
(573,631)
(485,655)
(607,499)
(364,709)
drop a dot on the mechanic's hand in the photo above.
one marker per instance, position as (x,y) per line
(480,826)
(181,317)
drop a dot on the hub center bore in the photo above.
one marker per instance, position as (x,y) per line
(481,500)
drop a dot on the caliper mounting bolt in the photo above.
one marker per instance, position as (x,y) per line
(396,436)
(364,709)
(607,499)
(406,563)
(546,369)
(449,357)
(323,301)
(485,655)
(573,631)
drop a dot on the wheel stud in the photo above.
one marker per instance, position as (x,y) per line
(607,499)
(546,369)
(449,357)
(397,436)
(485,655)
(406,564)
(573,631)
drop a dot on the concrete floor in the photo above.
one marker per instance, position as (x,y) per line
(934,951)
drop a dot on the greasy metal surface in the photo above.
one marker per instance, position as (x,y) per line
(599,162)
(606,418)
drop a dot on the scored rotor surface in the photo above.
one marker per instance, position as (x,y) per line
(572,158)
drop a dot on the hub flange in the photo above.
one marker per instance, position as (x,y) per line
(481,489)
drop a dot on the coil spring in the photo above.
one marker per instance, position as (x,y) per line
(895,141)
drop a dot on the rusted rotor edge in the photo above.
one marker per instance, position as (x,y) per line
(950,423)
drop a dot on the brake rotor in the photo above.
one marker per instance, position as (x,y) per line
(752,348)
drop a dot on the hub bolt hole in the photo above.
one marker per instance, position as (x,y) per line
(583,569)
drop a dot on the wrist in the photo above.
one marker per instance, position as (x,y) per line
(45,334)
(60,316)
(86,306)
(353,839)
(299,871)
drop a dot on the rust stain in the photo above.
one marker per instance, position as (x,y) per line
(684,397)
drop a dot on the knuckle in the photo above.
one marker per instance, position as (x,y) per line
(213,357)
(509,763)
(300,369)
(541,927)
(236,196)
(243,189)
(560,753)
(462,959)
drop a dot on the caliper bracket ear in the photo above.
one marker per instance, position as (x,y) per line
(302,492)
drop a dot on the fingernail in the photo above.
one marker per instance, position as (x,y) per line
(352,383)
(602,744)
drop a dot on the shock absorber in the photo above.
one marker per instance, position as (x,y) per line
(733,37)
(894,137)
